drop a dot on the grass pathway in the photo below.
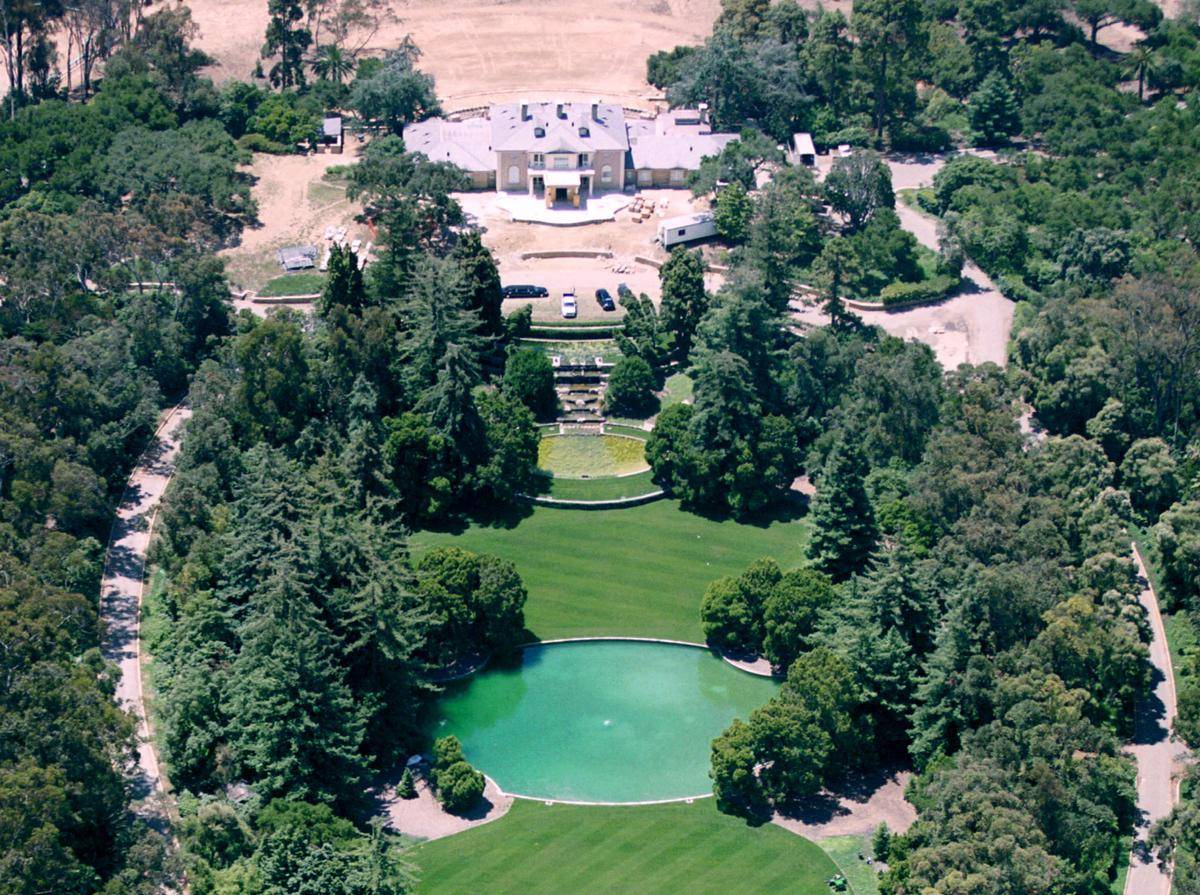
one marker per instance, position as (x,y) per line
(638,571)
(664,849)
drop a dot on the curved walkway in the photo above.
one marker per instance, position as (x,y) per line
(123,582)
(1157,753)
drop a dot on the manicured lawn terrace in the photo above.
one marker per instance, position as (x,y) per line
(607,488)
(294,284)
(675,849)
(637,571)
(577,456)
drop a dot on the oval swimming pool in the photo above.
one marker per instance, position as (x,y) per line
(600,720)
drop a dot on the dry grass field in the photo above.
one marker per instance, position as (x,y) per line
(481,51)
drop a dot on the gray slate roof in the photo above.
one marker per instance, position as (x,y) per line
(467,144)
(675,139)
(576,131)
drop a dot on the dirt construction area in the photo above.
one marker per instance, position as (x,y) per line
(296,205)
(521,249)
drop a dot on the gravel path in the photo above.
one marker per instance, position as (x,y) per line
(1157,753)
(124,579)
(424,818)
(878,798)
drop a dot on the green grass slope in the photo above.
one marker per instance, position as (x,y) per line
(664,849)
(638,572)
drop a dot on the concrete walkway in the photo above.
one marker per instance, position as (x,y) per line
(121,590)
(1157,753)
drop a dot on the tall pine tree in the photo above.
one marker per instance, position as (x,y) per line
(845,533)
(298,732)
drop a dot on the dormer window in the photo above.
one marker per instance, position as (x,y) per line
(539,132)
(585,132)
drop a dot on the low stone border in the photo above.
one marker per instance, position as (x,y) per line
(566,253)
(615,503)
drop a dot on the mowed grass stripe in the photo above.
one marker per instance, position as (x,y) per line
(665,849)
(638,571)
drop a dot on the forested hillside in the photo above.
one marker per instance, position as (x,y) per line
(967,605)
(86,363)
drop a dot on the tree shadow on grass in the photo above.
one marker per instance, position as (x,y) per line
(790,508)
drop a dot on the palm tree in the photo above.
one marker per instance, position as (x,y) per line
(1141,62)
(332,64)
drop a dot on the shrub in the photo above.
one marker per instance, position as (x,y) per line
(459,787)
(446,751)
(259,143)
(630,388)
(407,789)
(933,289)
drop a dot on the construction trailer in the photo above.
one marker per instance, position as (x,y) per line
(686,228)
(803,150)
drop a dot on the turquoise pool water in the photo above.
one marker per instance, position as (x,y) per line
(600,720)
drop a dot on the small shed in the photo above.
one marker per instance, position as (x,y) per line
(297,257)
(686,228)
(803,150)
(332,135)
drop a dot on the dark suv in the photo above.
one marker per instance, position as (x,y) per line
(524,292)
(605,300)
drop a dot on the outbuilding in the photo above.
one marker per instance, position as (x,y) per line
(332,135)
(803,150)
(686,228)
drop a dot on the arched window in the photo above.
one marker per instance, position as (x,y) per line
(514,175)
(606,174)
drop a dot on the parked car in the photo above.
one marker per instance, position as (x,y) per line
(524,291)
(569,307)
(605,300)
(624,291)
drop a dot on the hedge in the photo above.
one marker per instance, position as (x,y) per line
(933,289)
(573,334)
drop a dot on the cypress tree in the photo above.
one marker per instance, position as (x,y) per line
(297,731)
(845,531)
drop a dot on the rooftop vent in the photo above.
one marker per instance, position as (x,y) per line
(585,132)
(539,132)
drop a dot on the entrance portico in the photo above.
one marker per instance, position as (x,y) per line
(561,186)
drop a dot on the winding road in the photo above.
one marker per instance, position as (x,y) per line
(121,589)
(1157,753)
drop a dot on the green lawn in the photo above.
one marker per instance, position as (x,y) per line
(576,456)
(844,850)
(637,571)
(677,389)
(661,849)
(606,488)
(294,284)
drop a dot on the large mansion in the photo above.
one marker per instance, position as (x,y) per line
(566,150)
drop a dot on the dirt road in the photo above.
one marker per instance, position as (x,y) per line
(972,326)
(124,579)
(1157,754)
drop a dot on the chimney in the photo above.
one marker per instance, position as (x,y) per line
(560,112)
(703,108)
(524,110)
(596,109)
